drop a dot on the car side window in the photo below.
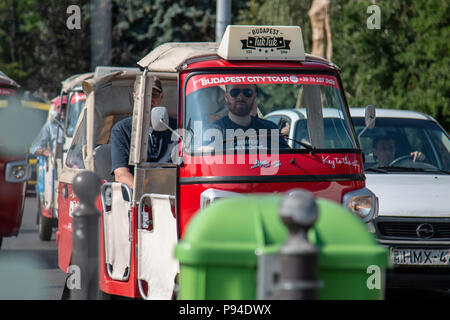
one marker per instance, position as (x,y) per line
(441,144)
(274,119)
(420,141)
(283,123)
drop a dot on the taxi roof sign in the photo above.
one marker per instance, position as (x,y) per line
(262,43)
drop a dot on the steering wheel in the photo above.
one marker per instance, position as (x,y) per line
(400,159)
(410,158)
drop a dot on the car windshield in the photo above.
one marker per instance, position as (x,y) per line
(77,101)
(400,144)
(222,108)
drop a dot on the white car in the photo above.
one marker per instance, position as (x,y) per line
(414,196)
(413,189)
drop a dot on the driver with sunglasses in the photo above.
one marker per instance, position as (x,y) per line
(240,99)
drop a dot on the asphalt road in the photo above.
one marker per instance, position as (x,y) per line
(29,266)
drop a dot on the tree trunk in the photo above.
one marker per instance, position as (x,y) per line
(319,14)
(12,37)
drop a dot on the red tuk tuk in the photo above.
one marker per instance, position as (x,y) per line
(51,167)
(71,101)
(14,169)
(140,225)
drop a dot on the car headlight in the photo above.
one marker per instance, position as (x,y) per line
(210,195)
(363,203)
(17,171)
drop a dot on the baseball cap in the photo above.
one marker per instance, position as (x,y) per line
(57,102)
(157,84)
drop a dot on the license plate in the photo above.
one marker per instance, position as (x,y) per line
(420,257)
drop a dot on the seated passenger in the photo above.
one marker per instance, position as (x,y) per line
(160,144)
(51,131)
(384,150)
(240,101)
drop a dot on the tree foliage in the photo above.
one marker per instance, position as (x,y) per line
(39,51)
(278,12)
(36,47)
(141,25)
(403,65)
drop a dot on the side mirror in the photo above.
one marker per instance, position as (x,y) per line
(370,116)
(160,119)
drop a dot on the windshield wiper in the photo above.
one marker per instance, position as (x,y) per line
(399,168)
(304,145)
(437,170)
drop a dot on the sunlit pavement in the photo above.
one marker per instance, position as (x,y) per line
(29,266)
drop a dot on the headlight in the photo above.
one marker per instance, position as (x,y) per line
(363,203)
(210,195)
(17,171)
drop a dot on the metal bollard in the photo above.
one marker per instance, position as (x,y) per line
(85,237)
(298,258)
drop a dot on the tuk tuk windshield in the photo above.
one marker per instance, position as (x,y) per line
(267,110)
(76,104)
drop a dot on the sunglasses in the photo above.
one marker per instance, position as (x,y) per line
(247,92)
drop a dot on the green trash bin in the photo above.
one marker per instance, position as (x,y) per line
(219,253)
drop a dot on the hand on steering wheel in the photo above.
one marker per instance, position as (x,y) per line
(413,156)
(417,155)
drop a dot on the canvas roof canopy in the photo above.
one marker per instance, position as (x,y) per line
(5,80)
(74,81)
(171,56)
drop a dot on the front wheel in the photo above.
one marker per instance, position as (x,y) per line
(45,228)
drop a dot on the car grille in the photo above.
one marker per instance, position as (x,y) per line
(408,229)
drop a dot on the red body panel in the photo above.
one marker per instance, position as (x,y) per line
(12,199)
(46,212)
(122,288)
(326,175)
(259,65)
(64,233)
(64,239)
(7,91)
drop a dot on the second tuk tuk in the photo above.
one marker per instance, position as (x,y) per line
(50,167)
(140,226)
(70,102)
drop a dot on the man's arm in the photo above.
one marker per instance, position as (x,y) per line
(120,152)
(282,144)
(43,152)
(124,175)
(42,141)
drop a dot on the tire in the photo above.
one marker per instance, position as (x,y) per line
(39,210)
(45,228)
(1,240)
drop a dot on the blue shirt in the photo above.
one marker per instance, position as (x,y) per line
(46,139)
(160,144)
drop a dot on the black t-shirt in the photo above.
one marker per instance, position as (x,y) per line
(160,144)
(256,123)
